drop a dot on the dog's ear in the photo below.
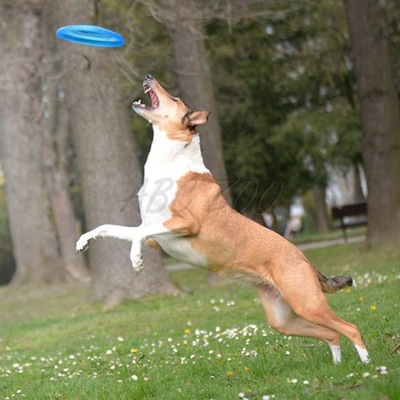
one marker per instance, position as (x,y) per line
(195,118)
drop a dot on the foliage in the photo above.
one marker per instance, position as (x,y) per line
(285,89)
(211,343)
(284,86)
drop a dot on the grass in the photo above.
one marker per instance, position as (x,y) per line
(312,236)
(210,343)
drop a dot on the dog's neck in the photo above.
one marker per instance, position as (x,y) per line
(166,154)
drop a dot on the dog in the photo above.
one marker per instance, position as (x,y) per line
(183,212)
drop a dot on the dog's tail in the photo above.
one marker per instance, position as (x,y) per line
(335,283)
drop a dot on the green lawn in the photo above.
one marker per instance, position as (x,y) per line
(209,343)
(308,237)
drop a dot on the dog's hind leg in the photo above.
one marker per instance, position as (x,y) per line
(301,289)
(282,318)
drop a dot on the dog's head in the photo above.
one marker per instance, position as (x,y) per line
(169,113)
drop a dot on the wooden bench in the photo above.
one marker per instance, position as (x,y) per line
(350,215)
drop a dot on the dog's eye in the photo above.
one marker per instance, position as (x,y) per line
(174,99)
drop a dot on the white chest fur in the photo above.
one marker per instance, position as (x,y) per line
(168,161)
(179,247)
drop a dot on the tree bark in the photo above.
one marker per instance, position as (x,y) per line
(357,184)
(183,20)
(321,212)
(109,171)
(21,112)
(380,116)
(55,147)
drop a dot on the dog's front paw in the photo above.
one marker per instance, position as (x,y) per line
(83,243)
(137,263)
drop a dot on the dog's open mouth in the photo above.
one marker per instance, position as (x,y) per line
(154,101)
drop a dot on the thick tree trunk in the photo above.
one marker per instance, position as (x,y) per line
(109,171)
(21,112)
(380,115)
(184,23)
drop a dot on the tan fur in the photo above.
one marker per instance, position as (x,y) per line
(152,243)
(195,224)
(290,288)
(237,246)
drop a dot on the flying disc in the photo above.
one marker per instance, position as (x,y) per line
(90,35)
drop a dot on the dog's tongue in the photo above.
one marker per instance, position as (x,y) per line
(153,97)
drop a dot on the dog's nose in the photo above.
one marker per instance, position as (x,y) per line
(148,76)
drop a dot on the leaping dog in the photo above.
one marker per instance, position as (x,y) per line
(183,211)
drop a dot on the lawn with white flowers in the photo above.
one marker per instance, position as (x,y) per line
(208,343)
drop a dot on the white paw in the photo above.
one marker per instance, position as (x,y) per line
(366,359)
(137,263)
(136,254)
(336,353)
(83,243)
(363,354)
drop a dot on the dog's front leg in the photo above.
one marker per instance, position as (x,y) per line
(114,231)
(143,234)
(131,234)
(136,255)
(140,236)
(136,235)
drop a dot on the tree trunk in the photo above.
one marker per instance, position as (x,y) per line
(380,116)
(109,171)
(357,184)
(321,212)
(55,147)
(21,112)
(183,20)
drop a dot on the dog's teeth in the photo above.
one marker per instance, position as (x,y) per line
(147,90)
(139,102)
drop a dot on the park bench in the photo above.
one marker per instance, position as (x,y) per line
(350,215)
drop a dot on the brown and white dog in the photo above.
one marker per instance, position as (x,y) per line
(184,212)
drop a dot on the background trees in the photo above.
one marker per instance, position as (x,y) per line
(286,103)
(33,234)
(109,171)
(185,24)
(279,77)
(35,129)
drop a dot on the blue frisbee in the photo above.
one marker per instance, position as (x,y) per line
(91,35)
